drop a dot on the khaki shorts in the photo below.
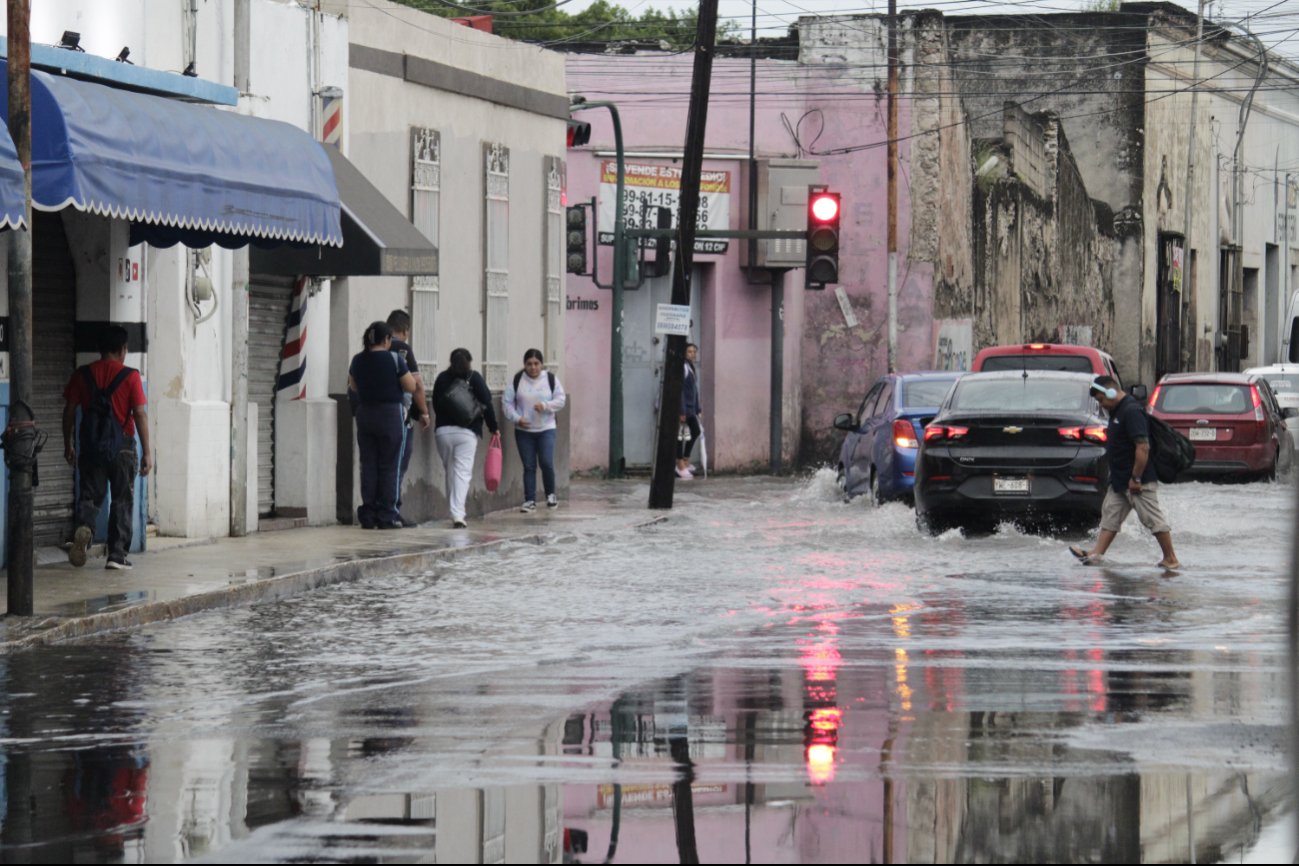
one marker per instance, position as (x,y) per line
(1117,506)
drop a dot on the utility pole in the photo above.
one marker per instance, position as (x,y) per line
(21,458)
(239,313)
(1237,211)
(1189,197)
(665,454)
(893,185)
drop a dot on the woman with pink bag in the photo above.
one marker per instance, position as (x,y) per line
(531,401)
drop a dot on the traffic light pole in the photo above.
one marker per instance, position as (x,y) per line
(619,280)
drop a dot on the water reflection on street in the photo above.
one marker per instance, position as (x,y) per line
(771,676)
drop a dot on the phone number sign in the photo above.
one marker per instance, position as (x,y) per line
(647,186)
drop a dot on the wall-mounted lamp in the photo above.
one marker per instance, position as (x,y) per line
(71,41)
(123,54)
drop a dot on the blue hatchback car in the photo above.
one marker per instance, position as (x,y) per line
(878,456)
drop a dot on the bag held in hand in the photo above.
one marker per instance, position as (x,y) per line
(492,464)
(461,404)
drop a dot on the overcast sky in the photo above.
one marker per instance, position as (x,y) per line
(1274,21)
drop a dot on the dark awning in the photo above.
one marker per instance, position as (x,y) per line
(13,194)
(377,239)
(179,172)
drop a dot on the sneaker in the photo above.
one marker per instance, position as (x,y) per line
(684,473)
(693,468)
(551,501)
(80,541)
(459,523)
(122,564)
(528,507)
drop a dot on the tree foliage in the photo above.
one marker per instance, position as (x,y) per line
(541,21)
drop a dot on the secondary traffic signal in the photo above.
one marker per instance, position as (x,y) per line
(579,133)
(822,238)
(576,239)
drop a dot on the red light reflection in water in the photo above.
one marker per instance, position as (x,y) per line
(822,716)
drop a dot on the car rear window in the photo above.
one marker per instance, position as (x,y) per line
(1019,395)
(1286,384)
(1063,363)
(1204,399)
(925,393)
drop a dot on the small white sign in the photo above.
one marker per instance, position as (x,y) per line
(673,319)
(849,317)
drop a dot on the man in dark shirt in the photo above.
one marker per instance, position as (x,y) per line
(399,321)
(1133,483)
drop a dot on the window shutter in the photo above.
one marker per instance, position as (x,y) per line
(552,289)
(496,255)
(425,204)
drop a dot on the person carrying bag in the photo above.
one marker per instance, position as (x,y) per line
(531,401)
(462,402)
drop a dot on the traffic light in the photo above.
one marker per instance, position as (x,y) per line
(579,133)
(575,239)
(822,238)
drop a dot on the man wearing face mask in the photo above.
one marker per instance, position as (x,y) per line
(1133,483)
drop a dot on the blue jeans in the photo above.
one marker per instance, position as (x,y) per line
(534,447)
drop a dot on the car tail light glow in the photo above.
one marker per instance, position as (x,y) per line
(1070,432)
(938,431)
(1095,434)
(1036,346)
(1085,479)
(1154,398)
(904,435)
(1258,403)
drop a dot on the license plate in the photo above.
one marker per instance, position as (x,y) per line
(1203,434)
(1010,485)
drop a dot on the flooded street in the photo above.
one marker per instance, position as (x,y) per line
(768,675)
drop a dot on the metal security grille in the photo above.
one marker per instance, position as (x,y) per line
(426,201)
(496,265)
(553,258)
(269,299)
(53,362)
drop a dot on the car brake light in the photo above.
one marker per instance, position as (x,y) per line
(1036,346)
(937,431)
(1154,398)
(1070,432)
(904,435)
(1258,403)
(1095,434)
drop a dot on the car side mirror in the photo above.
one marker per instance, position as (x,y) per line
(1290,412)
(845,422)
(1139,392)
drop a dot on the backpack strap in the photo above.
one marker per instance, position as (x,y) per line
(518,377)
(121,377)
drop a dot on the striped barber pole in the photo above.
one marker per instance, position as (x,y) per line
(292,383)
(331,120)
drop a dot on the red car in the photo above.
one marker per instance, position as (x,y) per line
(1066,357)
(1232,419)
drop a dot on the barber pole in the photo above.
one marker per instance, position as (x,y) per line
(331,120)
(291,383)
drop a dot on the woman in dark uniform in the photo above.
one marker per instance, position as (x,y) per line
(376,380)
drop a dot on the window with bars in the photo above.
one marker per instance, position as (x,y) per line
(496,264)
(425,203)
(552,288)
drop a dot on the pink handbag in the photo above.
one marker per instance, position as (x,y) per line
(492,464)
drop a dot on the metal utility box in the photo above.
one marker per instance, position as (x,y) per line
(782,206)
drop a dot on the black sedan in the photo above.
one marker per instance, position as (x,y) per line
(1021,445)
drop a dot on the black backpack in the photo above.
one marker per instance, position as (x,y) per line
(1170,451)
(461,404)
(102,437)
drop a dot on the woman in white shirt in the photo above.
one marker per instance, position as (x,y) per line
(531,401)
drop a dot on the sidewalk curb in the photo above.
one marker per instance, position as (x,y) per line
(266,589)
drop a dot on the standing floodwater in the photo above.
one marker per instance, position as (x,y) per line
(768,675)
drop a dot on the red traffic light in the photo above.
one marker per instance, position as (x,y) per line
(825,206)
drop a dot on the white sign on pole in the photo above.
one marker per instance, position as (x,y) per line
(673,319)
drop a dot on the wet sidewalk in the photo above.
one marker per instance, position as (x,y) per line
(180,576)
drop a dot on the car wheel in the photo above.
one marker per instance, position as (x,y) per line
(877,498)
(1286,465)
(931,524)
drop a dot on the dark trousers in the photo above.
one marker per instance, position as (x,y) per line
(684,448)
(117,478)
(534,448)
(380,438)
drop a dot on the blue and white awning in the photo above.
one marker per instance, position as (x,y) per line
(13,204)
(181,173)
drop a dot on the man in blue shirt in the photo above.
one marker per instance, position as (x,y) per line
(1133,483)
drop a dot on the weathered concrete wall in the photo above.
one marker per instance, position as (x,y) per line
(1045,263)
(1088,69)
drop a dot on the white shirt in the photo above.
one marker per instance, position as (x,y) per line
(520,406)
